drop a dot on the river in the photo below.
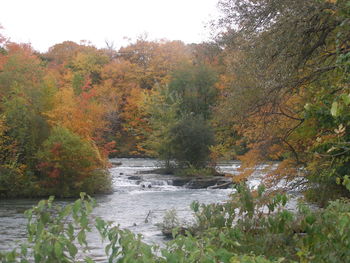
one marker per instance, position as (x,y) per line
(128,205)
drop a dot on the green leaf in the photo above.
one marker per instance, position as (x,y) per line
(58,249)
(335,109)
(307,106)
(107,249)
(82,237)
(261,189)
(89,260)
(195,206)
(346,182)
(66,211)
(345,98)
(24,249)
(70,231)
(84,221)
(72,249)
(310,219)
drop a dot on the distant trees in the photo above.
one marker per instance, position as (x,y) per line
(151,64)
(76,100)
(36,96)
(273,86)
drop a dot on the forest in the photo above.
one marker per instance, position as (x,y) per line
(272,87)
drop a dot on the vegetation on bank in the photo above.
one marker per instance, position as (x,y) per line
(288,93)
(251,227)
(180,114)
(272,85)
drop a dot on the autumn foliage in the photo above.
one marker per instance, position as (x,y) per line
(272,87)
(67,161)
(64,112)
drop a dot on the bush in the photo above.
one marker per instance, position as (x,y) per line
(191,139)
(17,182)
(256,223)
(251,227)
(69,164)
(180,115)
(54,233)
(10,183)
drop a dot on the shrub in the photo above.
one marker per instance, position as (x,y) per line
(251,227)
(69,164)
(180,115)
(191,139)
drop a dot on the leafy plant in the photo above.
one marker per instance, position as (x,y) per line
(67,161)
(251,227)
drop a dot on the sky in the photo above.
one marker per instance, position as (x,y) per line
(44,23)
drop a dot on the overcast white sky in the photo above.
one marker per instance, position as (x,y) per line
(44,23)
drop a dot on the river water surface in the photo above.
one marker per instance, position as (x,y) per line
(129,205)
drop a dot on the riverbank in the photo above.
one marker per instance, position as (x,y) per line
(127,205)
(251,226)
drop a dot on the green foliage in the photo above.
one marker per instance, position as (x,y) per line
(124,246)
(55,233)
(24,97)
(67,162)
(253,259)
(329,162)
(194,86)
(191,138)
(327,234)
(179,116)
(287,98)
(162,108)
(170,223)
(251,227)
(249,222)
(257,223)
(77,83)
(26,127)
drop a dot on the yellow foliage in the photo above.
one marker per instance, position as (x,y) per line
(77,114)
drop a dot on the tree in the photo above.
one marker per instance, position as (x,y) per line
(155,60)
(66,160)
(191,138)
(194,86)
(128,79)
(35,98)
(179,117)
(283,57)
(25,96)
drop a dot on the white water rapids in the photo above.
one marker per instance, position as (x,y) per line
(129,205)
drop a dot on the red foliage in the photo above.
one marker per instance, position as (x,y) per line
(42,165)
(55,173)
(87,85)
(56,149)
(108,148)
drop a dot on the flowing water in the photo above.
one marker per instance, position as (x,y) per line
(135,199)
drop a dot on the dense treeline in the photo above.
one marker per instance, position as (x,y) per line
(51,126)
(64,112)
(274,85)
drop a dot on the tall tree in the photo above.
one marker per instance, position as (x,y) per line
(180,114)
(284,60)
